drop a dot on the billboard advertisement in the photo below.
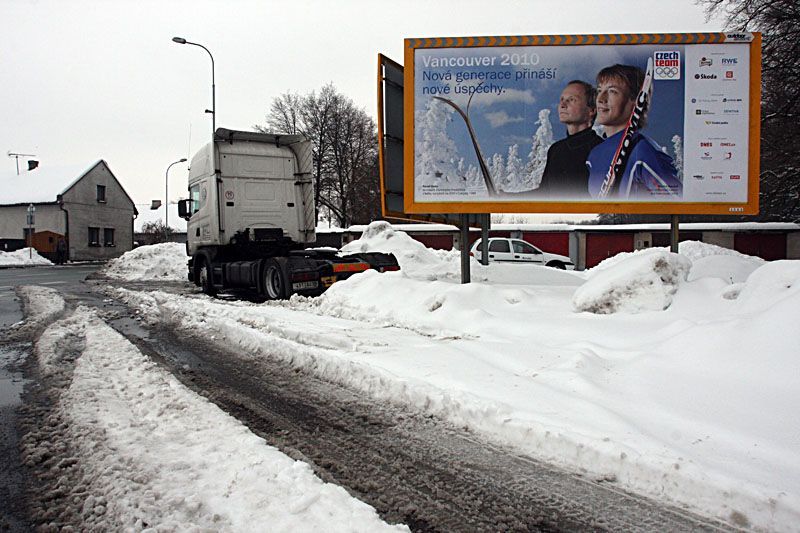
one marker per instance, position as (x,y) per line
(595,123)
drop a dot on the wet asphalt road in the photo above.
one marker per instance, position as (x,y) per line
(13,478)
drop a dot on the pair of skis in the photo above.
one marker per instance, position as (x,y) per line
(623,153)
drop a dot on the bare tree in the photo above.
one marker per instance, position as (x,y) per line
(779,22)
(344,142)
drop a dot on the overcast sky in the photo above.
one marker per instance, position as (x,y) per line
(89,80)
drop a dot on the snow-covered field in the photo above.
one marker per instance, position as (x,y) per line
(23,257)
(673,375)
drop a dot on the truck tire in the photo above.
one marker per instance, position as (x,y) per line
(276,279)
(204,278)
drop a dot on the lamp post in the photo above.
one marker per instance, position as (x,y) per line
(213,111)
(166,195)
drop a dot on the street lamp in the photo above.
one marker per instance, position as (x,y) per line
(166,194)
(213,111)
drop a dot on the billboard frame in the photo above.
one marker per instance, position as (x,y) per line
(750,207)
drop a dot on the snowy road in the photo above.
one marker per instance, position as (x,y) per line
(412,468)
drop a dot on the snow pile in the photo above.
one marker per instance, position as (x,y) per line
(421,263)
(709,260)
(633,282)
(414,258)
(695,250)
(152,454)
(774,285)
(23,257)
(165,261)
(42,305)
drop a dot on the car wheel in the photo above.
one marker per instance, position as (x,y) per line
(557,264)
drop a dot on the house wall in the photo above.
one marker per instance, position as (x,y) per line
(13,220)
(85,211)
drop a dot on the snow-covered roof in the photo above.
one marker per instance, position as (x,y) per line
(696,226)
(416,228)
(41,185)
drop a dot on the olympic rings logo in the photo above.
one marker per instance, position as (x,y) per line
(667,72)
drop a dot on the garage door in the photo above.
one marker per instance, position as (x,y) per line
(769,246)
(600,246)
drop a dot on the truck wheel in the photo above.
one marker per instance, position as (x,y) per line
(276,280)
(205,279)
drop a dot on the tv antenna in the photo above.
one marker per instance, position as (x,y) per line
(17,156)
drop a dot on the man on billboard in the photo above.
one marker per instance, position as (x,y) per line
(565,173)
(649,171)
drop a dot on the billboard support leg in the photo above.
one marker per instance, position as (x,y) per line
(486,224)
(464,223)
(673,234)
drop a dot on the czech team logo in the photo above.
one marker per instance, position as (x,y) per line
(667,65)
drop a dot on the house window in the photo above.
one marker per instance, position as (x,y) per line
(108,236)
(101,193)
(94,236)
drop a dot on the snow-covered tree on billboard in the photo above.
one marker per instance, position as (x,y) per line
(516,175)
(537,158)
(677,145)
(475,181)
(436,154)
(497,168)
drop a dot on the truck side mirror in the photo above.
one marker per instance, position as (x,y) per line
(184,208)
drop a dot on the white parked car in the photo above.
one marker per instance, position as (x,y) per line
(506,250)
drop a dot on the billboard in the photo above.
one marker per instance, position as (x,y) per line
(663,123)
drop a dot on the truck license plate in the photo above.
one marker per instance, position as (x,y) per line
(300,285)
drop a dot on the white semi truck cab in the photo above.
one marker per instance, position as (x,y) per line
(251,218)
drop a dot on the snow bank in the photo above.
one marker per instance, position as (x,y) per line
(42,305)
(633,282)
(711,261)
(414,258)
(695,250)
(165,261)
(421,263)
(690,405)
(21,258)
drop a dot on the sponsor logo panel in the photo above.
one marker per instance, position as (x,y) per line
(667,65)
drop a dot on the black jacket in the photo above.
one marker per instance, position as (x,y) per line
(565,173)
